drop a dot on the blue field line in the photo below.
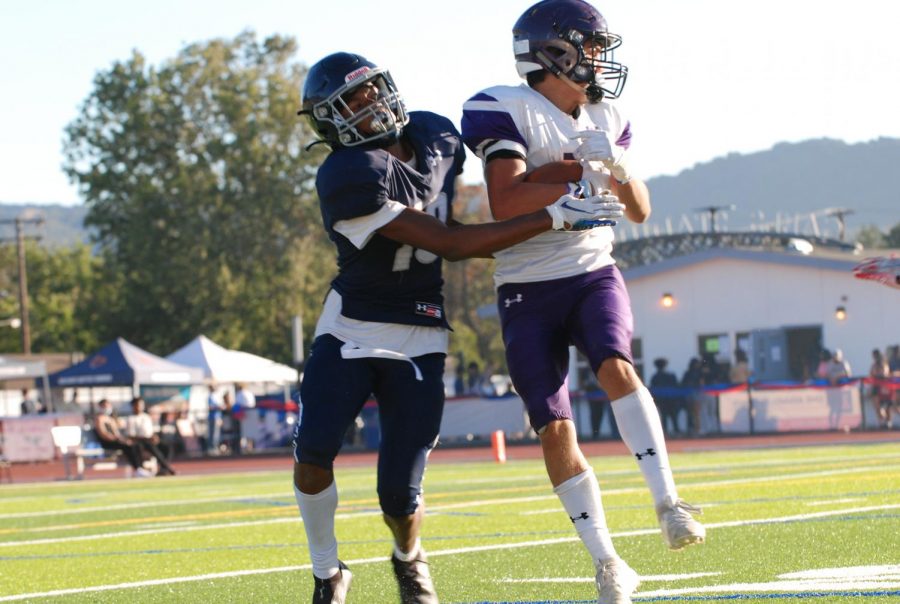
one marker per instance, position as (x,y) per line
(251,501)
(713,598)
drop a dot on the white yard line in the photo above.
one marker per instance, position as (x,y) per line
(862,584)
(644,578)
(432,508)
(146,504)
(286,494)
(833,501)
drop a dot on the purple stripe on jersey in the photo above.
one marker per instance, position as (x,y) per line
(481,96)
(479,126)
(625,138)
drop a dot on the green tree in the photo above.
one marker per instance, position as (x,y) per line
(64,297)
(201,195)
(870,237)
(470,295)
(893,237)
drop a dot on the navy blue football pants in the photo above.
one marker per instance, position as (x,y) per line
(334,391)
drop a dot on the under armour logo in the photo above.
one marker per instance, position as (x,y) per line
(641,456)
(583,516)
(510,301)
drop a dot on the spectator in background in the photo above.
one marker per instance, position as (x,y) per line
(474,380)
(824,363)
(598,406)
(668,402)
(231,425)
(459,381)
(243,398)
(838,369)
(106,428)
(880,396)
(139,427)
(30,405)
(213,422)
(693,381)
(740,371)
(169,434)
(893,360)
(713,373)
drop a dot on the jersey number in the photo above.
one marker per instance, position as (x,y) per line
(404,255)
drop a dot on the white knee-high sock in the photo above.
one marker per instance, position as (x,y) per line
(580,496)
(642,432)
(317,512)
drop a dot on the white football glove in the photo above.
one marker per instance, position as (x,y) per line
(597,146)
(579,213)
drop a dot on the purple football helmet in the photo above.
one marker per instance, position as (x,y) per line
(552,35)
(331,83)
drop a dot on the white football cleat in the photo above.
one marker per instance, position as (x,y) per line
(679,528)
(616,581)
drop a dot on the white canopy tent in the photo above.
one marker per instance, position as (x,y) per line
(224,366)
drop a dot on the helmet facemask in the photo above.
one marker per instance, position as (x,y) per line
(381,120)
(567,57)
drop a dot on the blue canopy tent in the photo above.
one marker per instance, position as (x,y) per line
(121,363)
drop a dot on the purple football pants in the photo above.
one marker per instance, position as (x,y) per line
(541,320)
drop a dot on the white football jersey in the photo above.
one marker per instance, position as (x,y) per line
(521,120)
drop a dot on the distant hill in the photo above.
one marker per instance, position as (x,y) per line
(791,179)
(63,225)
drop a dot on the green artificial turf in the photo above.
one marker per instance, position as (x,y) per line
(494,533)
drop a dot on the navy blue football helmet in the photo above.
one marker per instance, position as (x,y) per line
(328,101)
(552,35)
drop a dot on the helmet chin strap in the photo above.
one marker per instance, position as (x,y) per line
(593,92)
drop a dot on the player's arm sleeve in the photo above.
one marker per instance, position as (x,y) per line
(360,230)
(489,129)
(355,198)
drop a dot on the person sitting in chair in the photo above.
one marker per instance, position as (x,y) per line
(111,438)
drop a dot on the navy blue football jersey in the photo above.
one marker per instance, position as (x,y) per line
(386,281)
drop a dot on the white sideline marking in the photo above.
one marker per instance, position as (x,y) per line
(592,579)
(145,504)
(287,494)
(848,572)
(831,501)
(776,586)
(197,527)
(431,508)
(862,584)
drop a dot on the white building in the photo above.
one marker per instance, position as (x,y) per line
(779,306)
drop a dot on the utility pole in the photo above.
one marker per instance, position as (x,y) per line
(712,210)
(23,277)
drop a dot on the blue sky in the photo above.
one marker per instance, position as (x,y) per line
(707,77)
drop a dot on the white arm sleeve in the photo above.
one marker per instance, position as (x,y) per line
(360,230)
